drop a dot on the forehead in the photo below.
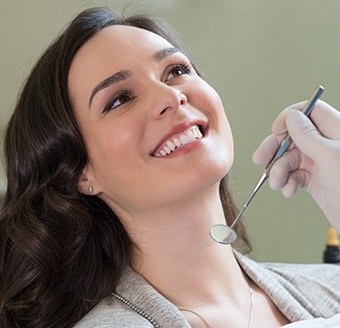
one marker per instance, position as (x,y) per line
(122,43)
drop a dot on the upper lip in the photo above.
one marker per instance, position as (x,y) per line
(180,128)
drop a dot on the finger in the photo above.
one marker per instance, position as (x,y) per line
(279,125)
(281,170)
(264,153)
(297,179)
(324,116)
(304,134)
(326,119)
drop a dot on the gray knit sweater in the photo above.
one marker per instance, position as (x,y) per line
(300,291)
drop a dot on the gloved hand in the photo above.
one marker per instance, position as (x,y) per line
(313,160)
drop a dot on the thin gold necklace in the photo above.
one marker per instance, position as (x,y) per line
(252,302)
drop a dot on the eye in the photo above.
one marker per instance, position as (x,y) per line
(178,70)
(119,99)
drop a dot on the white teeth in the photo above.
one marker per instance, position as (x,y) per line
(171,145)
(190,134)
(177,142)
(186,137)
(167,149)
(197,133)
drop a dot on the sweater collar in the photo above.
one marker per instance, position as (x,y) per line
(135,289)
(285,295)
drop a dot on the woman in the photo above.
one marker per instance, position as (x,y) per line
(117,156)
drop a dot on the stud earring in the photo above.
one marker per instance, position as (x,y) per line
(90,189)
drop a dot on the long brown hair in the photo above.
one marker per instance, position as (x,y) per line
(61,252)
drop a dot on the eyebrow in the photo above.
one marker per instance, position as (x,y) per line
(166,52)
(117,77)
(125,74)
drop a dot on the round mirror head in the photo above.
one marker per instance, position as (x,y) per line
(222,234)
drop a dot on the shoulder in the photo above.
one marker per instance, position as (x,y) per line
(302,276)
(111,313)
(307,275)
(300,291)
(305,271)
(135,304)
(318,283)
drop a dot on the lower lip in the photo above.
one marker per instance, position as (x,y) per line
(184,149)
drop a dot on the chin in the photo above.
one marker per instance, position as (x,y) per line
(207,177)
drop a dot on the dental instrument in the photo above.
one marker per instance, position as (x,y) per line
(224,234)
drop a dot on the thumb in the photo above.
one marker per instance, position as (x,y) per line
(304,134)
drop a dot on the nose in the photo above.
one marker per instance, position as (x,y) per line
(165,99)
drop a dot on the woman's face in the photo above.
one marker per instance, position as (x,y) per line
(156,133)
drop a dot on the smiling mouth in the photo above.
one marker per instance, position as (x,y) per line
(178,141)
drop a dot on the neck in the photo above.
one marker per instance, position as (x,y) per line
(178,257)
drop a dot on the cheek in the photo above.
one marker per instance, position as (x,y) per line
(112,148)
(205,97)
(210,102)
(115,165)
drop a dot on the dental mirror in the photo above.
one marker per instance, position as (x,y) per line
(222,234)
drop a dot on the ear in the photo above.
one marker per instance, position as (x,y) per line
(87,184)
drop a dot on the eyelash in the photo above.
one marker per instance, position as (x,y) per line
(184,66)
(119,94)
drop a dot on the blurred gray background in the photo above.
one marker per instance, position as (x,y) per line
(260,55)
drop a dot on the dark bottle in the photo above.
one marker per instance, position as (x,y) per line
(331,253)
